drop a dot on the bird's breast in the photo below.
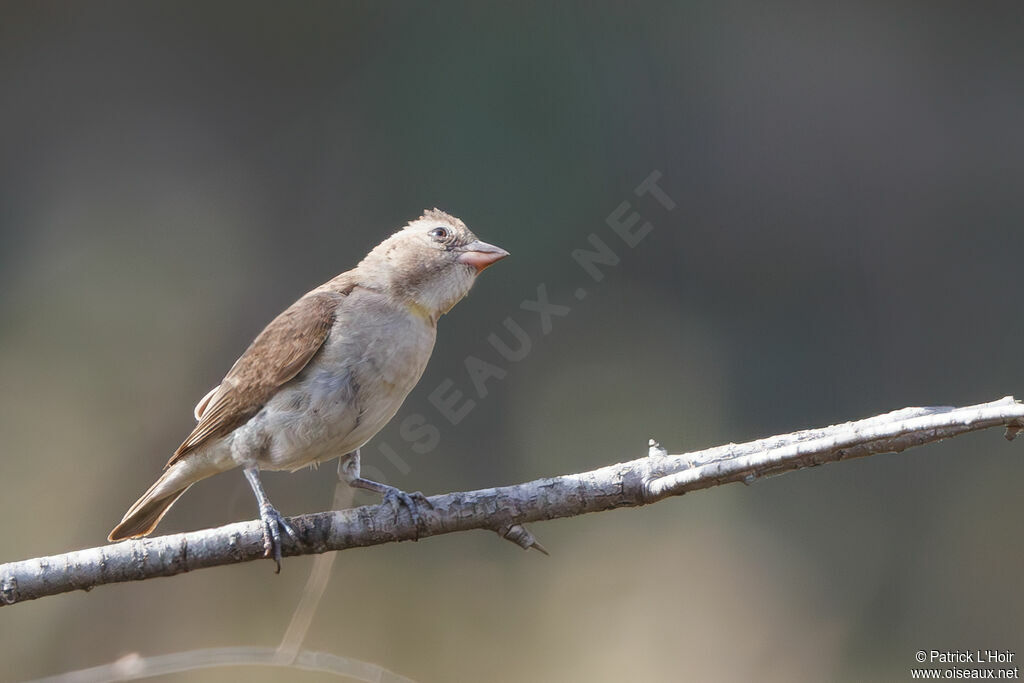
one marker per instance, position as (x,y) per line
(355,384)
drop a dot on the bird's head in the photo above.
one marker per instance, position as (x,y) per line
(432,262)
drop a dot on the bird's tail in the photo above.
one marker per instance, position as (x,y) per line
(146,513)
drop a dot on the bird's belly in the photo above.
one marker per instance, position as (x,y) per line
(336,405)
(308,421)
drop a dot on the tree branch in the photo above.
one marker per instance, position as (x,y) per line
(505,509)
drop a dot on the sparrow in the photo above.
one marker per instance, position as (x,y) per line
(326,374)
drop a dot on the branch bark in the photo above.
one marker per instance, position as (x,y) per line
(505,509)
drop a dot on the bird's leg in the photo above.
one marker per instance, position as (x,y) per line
(272,520)
(348,469)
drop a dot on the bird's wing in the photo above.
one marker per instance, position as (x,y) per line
(203,402)
(279,353)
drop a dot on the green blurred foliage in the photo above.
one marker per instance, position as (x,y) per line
(848,181)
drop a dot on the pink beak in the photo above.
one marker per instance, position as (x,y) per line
(479,255)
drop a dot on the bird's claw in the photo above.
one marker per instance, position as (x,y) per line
(397,497)
(273,523)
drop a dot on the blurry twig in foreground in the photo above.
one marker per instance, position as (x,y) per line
(638,482)
(316,584)
(133,666)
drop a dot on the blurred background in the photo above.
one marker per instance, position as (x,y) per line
(848,183)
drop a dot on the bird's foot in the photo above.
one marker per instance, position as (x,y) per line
(348,469)
(396,497)
(273,524)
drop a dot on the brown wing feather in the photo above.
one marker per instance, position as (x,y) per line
(279,353)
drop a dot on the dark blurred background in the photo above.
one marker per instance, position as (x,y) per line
(848,183)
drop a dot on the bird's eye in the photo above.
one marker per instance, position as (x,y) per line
(439,234)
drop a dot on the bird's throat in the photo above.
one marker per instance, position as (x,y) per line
(421,311)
